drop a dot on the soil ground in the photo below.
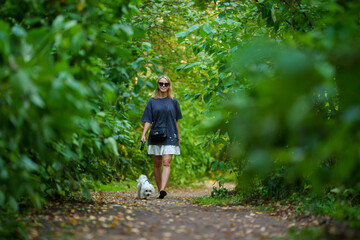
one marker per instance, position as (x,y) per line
(119,215)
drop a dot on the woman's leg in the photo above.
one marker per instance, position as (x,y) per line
(166,171)
(157,170)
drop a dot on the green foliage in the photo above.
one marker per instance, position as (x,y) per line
(308,233)
(219,192)
(274,80)
(278,82)
(75,77)
(64,89)
(10,227)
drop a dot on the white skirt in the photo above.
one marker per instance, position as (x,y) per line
(163,150)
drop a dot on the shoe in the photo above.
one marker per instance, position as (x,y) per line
(162,194)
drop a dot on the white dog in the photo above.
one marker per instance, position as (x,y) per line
(144,187)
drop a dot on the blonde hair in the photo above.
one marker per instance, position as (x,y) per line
(157,93)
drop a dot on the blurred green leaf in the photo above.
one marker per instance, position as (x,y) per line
(111,145)
(207,28)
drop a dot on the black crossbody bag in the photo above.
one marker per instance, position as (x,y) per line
(159,134)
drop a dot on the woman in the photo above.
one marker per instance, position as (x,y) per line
(162,112)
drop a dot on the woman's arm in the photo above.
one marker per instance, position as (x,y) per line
(146,129)
(177,125)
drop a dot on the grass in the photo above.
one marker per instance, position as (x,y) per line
(126,185)
(131,185)
(232,200)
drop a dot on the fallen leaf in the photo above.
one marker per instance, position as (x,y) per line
(73,221)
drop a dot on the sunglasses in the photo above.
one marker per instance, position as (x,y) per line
(161,84)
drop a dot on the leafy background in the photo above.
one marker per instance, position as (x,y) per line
(268,91)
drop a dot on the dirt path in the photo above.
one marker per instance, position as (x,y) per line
(119,215)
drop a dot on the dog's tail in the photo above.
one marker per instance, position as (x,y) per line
(142,176)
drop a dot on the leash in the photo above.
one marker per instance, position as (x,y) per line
(141,148)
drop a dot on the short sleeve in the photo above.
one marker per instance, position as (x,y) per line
(178,111)
(147,115)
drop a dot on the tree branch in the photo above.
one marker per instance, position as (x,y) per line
(291,13)
(298,2)
(167,44)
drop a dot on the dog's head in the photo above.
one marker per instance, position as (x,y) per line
(147,189)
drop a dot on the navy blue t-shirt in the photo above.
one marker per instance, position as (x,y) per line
(163,112)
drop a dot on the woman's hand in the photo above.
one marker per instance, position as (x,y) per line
(146,129)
